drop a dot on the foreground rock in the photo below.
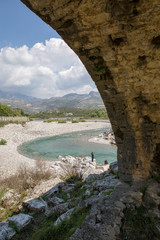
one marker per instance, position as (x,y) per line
(82,166)
(6,232)
(20,221)
(103,196)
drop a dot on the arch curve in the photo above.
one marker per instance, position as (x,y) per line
(119,44)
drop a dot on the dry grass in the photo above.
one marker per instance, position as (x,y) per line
(72,175)
(26,178)
(22,184)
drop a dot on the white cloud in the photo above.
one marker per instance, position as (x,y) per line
(45,70)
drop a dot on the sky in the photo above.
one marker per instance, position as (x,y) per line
(34,60)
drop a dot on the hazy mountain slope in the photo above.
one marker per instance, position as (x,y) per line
(29,104)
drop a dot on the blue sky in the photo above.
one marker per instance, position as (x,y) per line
(34,60)
(19,25)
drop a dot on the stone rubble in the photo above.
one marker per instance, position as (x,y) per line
(6,232)
(65,215)
(35,205)
(104,138)
(20,221)
(83,166)
(104,194)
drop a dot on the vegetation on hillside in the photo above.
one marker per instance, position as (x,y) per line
(72,112)
(6,111)
(9,112)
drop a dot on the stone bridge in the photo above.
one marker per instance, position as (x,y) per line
(118,41)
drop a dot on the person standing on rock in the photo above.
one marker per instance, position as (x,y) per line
(92,155)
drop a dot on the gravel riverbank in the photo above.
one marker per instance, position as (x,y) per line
(15,135)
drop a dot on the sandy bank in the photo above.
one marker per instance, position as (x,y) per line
(11,160)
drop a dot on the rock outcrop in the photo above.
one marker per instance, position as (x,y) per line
(105,201)
(119,43)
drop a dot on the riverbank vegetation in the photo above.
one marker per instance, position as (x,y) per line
(10,112)
(3,142)
(70,113)
(11,116)
(58,113)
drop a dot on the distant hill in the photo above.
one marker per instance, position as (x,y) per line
(17,96)
(35,105)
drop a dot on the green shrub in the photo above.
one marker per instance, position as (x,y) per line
(63,230)
(82,120)
(3,142)
(49,120)
(3,123)
(62,121)
(75,121)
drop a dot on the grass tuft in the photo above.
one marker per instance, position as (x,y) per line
(3,142)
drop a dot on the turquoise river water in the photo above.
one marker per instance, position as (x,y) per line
(74,144)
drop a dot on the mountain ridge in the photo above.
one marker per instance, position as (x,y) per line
(35,105)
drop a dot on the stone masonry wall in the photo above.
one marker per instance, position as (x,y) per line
(119,43)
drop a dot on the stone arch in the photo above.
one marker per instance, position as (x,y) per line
(119,43)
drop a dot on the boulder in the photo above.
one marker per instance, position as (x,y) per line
(54,190)
(10,198)
(65,215)
(20,221)
(6,232)
(132,198)
(113,167)
(53,201)
(105,183)
(91,170)
(57,210)
(35,205)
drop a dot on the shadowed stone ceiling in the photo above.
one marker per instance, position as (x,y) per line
(119,43)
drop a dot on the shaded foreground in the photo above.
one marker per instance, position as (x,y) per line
(97,207)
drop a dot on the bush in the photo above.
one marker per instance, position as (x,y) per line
(3,142)
(62,121)
(75,121)
(49,120)
(3,123)
(82,120)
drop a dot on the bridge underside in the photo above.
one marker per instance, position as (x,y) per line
(118,41)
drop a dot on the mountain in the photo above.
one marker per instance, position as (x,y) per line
(91,100)
(17,96)
(35,105)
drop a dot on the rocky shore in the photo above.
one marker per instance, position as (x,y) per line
(104,138)
(96,194)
